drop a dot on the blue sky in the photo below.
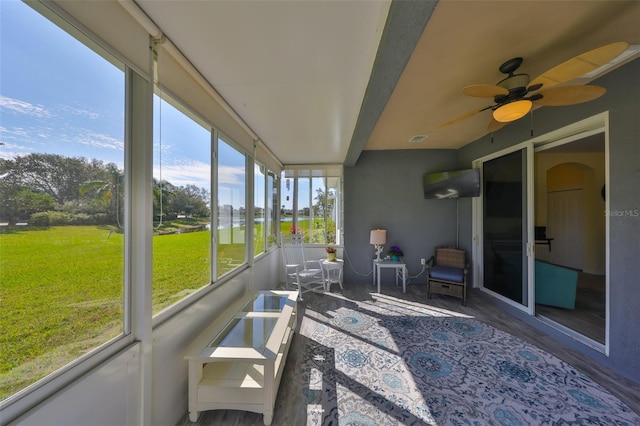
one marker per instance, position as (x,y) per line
(57,96)
(48,102)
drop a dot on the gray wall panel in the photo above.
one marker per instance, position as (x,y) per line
(384,190)
(622,100)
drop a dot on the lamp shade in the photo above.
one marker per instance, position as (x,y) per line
(378,236)
(512,111)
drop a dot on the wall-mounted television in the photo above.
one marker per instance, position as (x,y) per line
(452,184)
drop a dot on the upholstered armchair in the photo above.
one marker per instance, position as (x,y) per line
(447,273)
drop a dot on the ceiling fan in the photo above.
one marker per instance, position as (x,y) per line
(515,95)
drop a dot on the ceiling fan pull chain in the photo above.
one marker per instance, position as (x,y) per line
(531,113)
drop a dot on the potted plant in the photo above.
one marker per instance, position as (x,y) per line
(395,253)
(331,253)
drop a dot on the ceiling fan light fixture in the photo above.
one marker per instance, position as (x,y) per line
(512,111)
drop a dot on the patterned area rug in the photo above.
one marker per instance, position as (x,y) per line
(391,362)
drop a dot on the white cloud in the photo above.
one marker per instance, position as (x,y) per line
(100,140)
(231,175)
(80,112)
(14,133)
(22,107)
(185,173)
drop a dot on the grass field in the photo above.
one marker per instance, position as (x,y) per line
(61,291)
(61,295)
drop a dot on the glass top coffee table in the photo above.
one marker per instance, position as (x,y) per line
(238,365)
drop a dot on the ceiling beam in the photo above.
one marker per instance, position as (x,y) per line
(405,24)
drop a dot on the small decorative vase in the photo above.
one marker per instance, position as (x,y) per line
(331,257)
(395,258)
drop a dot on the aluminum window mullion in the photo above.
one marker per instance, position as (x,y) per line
(214,206)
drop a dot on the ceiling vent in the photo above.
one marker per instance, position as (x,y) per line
(417,138)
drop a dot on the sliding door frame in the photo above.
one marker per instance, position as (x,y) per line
(596,124)
(478,228)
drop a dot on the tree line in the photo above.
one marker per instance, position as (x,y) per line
(49,189)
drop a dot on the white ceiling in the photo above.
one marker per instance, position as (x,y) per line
(295,71)
(304,75)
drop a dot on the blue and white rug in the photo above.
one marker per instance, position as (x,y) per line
(392,362)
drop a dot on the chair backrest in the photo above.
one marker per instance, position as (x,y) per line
(293,250)
(449,256)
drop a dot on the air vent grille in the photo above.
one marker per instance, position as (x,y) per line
(417,138)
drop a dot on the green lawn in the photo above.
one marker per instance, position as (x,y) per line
(61,296)
(61,292)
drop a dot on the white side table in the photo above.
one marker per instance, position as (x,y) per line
(377,265)
(332,272)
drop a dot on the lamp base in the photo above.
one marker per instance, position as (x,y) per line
(378,251)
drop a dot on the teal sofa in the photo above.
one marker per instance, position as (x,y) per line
(555,285)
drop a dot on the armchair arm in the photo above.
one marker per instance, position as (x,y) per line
(429,264)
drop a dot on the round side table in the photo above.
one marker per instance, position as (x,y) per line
(332,272)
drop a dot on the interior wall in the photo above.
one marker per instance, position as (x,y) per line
(623,192)
(570,171)
(108,395)
(384,190)
(173,337)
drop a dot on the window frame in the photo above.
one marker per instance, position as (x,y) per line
(311,172)
(248,184)
(134,89)
(138,320)
(264,172)
(179,105)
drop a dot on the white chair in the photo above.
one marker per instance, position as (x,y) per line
(300,273)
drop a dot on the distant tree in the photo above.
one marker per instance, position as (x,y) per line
(10,186)
(324,206)
(56,175)
(108,190)
(163,191)
(189,200)
(76,186)
(325,201)
(28,202)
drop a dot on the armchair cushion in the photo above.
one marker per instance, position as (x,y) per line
(447,273)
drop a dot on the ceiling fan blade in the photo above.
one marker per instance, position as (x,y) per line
(462,117)
(580,65)
(495,125)
(484,90)
(569,95)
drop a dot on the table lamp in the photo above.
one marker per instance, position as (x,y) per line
(378,238)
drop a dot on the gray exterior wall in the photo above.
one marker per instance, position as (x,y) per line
(384,190)
(622,100)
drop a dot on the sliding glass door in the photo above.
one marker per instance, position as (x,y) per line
(505,226)
(559,273)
